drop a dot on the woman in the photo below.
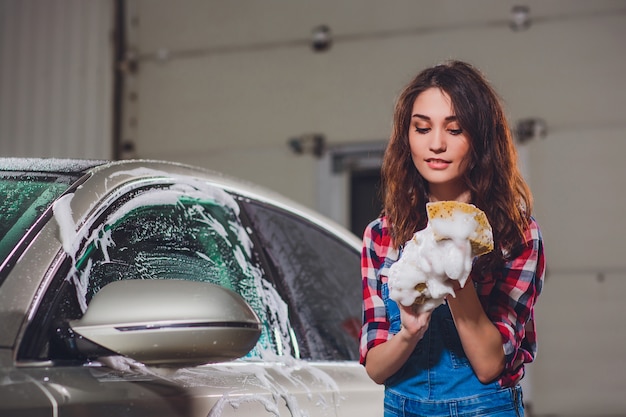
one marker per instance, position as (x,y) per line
(451,141)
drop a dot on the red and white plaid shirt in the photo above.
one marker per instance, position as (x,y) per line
(508,296)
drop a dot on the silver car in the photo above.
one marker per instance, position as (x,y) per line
(144,288)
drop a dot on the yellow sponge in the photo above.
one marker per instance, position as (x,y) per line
(482,240)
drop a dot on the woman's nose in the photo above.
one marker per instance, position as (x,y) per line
(437,141)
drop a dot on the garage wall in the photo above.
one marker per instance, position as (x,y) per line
(225,85)
(56,77)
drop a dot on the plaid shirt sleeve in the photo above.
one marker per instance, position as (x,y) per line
(509,299)
(376,245)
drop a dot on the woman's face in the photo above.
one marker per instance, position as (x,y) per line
(438,145)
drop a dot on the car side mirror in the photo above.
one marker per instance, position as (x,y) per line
(170,322)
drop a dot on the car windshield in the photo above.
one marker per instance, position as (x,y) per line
(24,199)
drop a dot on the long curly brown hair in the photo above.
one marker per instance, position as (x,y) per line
(492,176)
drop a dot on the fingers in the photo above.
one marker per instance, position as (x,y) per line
(414,320)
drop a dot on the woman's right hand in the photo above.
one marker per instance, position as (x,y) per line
(387,358)
(414,322)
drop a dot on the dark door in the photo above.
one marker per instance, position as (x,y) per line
(365,202)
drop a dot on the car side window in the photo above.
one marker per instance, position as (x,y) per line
(318,275)
(167,233)
(192,240)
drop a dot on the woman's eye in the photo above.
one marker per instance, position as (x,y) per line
(455,132)
(422,130)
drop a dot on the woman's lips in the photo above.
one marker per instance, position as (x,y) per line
(437,163)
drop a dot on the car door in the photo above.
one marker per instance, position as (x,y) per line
(173,230)
(317,272)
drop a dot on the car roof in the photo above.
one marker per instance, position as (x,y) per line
(147,168)
(49,165)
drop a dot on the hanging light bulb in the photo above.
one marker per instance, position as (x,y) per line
(520,18)
(321,38)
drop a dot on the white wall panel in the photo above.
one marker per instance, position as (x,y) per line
(581,366)
(56,78)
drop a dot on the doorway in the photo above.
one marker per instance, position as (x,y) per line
(365,201)
(349,182)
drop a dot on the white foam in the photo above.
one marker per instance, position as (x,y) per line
(436,256)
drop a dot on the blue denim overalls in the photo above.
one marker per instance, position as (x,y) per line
(437,380)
